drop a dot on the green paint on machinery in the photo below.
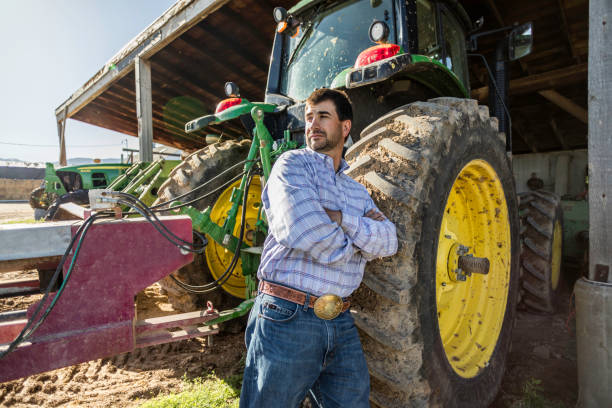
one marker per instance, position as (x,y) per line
(575,228)
(61,181)
(141,179)
(86,176)
(399,78)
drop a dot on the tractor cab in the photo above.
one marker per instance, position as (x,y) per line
(338,38)
(399,51)
(395,50)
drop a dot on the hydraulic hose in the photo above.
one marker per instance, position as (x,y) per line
(28,331)
(209,287)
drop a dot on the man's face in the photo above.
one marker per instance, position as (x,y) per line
(325,132)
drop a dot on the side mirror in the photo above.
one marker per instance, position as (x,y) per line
(520,41)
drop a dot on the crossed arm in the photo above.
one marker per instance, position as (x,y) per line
(299,221)
(336,216)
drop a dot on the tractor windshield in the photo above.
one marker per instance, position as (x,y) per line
(329,41)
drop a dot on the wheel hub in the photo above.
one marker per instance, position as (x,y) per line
(217,256)
(473,268)
(462,264)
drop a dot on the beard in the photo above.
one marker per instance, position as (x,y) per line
(324,142)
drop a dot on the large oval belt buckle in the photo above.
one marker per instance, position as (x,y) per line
(328,306)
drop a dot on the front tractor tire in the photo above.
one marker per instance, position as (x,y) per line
(36,198)
(542,239)
(432,335)
(196,169)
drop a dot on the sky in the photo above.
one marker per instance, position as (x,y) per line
(50,48)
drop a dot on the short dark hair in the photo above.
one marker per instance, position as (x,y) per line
(339,98)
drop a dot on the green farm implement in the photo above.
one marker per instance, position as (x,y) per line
(71,184)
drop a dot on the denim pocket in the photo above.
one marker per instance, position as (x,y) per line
(277,310)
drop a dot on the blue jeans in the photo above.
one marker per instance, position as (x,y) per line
(290,350)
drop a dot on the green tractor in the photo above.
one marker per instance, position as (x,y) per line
(71,183)
(436,318)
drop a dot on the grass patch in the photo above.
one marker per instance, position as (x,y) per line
(208,392)
(533,399)
(26,221)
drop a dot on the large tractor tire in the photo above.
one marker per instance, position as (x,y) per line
(433,336)
(542,239)
(196,169)
(36,198)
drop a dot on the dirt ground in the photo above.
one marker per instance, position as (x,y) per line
(15,212)
(126,380)
(543,349)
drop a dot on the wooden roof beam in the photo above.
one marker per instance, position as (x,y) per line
(539,82)
(121,123)
(237,45)
(254,30)
(565,28)
(215,67)
(184,84)
(566,104)
(178,19)
(219,48)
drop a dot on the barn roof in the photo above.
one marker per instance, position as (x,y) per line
(198,45)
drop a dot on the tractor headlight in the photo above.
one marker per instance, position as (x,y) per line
(280,14)
(231,90)
(379,32)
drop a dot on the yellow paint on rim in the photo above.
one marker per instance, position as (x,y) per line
(555,263)
(218,258)
(471,312)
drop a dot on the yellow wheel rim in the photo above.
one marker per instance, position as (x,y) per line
(218,258)
(555,263)
(471,312)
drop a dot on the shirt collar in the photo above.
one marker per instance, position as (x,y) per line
(328,160)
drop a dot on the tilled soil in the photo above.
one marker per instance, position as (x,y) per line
(127,379)
(543,348)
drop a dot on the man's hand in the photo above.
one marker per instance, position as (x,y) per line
(335,216)
(375,215)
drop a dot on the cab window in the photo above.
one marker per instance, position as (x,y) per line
(98,180)
(426,26)
(454,47)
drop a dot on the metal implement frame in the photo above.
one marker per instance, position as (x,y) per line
(83,327)
(260,151)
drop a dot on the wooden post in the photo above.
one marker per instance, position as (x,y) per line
(144,108)
(61,132)
(600,140)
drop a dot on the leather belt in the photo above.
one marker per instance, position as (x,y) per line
(326,306)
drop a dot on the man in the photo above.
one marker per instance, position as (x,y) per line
(323,227)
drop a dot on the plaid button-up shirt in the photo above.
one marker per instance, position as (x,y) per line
(304,248)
